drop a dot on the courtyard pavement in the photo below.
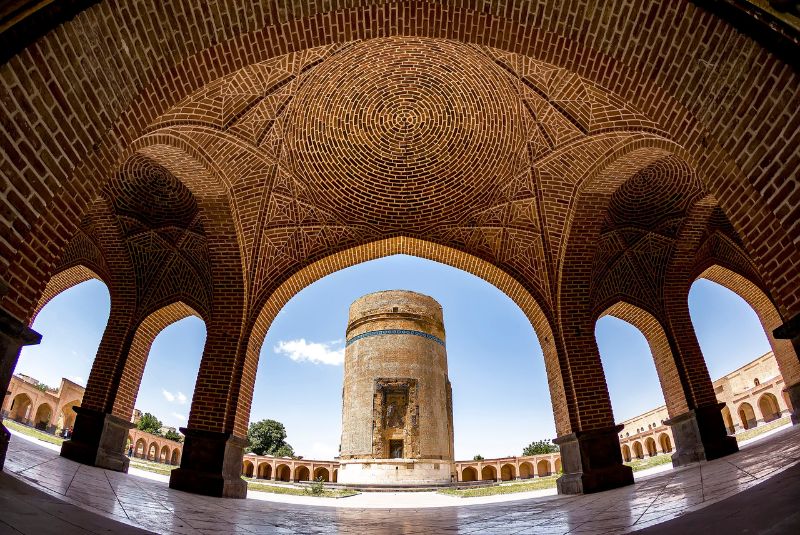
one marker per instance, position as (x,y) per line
(41,492)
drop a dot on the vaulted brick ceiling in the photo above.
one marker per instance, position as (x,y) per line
(458,144)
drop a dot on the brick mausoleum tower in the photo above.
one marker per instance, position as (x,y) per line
(397,410)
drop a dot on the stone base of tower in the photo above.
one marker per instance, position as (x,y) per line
(396,472)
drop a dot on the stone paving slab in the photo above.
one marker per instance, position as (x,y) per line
(63,497)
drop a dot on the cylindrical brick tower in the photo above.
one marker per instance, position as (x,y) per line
(397,414)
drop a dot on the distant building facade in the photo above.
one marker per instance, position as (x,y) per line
(753,395)
(30,402)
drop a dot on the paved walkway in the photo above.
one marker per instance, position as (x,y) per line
(60,496)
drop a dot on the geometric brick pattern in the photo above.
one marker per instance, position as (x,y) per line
(539,148)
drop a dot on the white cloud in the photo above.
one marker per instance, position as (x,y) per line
(318,353)
(178,397)
(178,416)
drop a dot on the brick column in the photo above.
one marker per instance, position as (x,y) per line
(591,458)
(790,330)
(700,432)
(13,335)
(98,436)
(212,454)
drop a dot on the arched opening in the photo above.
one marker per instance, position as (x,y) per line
(162,365)
(558,466)
(728,420)
(21,407)
(628,334)
(736,299)
(747,416)
(488,473)
(301,473)
(626,453)
(71,315)
(507,472)
(638,452)
(380,254)
(543,468)
(335,476)
(43,415)
(469,474)
(164,458)
(323,473)
(525,470)
(152,452)
(66,420)
(283,473)
(264,471)
(650,444)
(141,449)
(247,469)
(666,443)
(175,459)
(768,405)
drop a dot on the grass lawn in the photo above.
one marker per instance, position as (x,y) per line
(644,464)
(31,432)
(504,488)
(150,466)
(763,428)
(297,491)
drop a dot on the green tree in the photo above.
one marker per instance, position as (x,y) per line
(478,457)
(268,437)
(540,447)
(149,424)
(173,435)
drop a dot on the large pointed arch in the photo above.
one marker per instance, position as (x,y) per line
(63,281)
(430,251)
(134,365)
(755,296)
(661,350)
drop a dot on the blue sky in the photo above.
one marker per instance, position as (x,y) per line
(500,397)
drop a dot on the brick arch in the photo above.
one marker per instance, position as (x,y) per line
(195,168)
(152,452)
(768,406)
(543,468)
(164,456)
(63,281)
(247,468)
(638,451)
(43,415)
(469,473)
(134,365)
(596,184)
(747,416)
(422,249)
(140,449)
(488,473)
(753,294)
(508,472)
(323,473)
(626,453)
(525,470)
(661,350)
